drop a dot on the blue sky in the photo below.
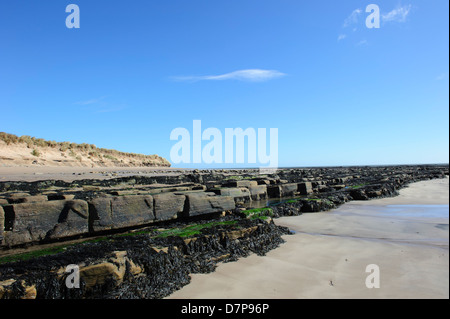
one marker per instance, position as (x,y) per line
(338,92)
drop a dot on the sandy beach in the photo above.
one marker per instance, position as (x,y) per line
(406,237)
(69,174)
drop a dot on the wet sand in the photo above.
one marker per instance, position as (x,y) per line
(406,236)
(69,174)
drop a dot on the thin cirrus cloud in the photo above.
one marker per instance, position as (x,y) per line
(399,14)
(362,42)
(250,75)
(91,101)
(99,105)
(352,18)
(341,37)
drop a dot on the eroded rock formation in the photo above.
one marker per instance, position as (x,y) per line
(141,237)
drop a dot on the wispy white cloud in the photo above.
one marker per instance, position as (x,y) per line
(111,109)
(99,105)
(399,14)
(362,42)
(251,75)
(341,37)
(442,76)
(352,18)
(91,101)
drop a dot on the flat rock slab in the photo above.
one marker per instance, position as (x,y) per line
(242,183)
(120,211)
(2,224)
(33,222)
(27,199)
(207,203)
(168,205)
(239,194)
(258,192)
(305,188)
(282,190)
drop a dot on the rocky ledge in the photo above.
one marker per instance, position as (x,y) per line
(46,211)
(151,263)
(141,237)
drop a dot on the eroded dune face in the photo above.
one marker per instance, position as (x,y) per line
(27,151)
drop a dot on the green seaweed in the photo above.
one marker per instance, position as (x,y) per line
(33,254)
(262,213)
(191,230)
(183,232)
(358,186)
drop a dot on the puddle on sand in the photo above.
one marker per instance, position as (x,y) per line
(434,215)
(396,211)
(416,211)
(442,226)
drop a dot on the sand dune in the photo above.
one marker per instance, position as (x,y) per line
(26,151)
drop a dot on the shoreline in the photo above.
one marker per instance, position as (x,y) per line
(34,173)
(328,255)
(126,204)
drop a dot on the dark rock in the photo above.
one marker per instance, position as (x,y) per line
(168,205)
(31,222)
(287,209)
(359,194)
(241,183)
(258,192)
(239,194)
(56,196)
(274,191)
(2,224)
(27,199)
(319,205)
(207,203)
(132,266)
(305,188)
(282,190)
(119,212)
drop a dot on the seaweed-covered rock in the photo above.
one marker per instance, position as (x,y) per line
(359,194)
(138,266)
(317,205)
(289,208)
